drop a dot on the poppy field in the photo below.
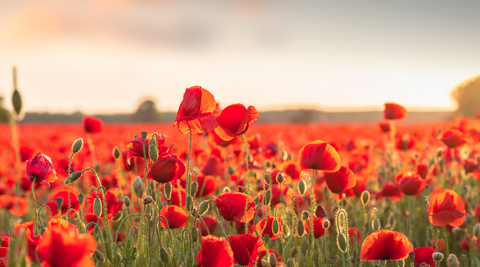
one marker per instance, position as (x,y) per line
(215,188)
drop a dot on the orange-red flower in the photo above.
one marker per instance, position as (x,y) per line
(15,205)
(63,194)
(176,217)
(210,223)
(453,138)
(113,205)
(319,155)
(215,252)
(341,180)
(167,168)
(234,121)
(291,168)
(446,208)
(318,230)
(385,245)
(354,234)
(246,248)
(196,111)
(231,206)
(61,247)
(268,228)
(92,124)
(410,183)
(394,111)
(41,169)
(32,241)
(136,146)
(390,191)
(424,254)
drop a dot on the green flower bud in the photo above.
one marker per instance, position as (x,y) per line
(452,261)
(204,207)
(365,197)
(138,187)
(193,189)
(475,262)
(73,177)
(280,178)
(411,256)
(305,215)
(99,256)
(189,259)
(147,200)
(97,207)
(59,202)
(80,198)
(272,260)
(376,225)
(77,145)
(143,134)
(126,201)
(457,231)
(476,230)
(231,170)
(437,256)
(168,190)
(275,227)
(164,256)
(302,187)
(266,197)
(342,242)
(226,190)
(116,153)
(326,224)
(189,203)
(300,228)
(194,234)
(153,152)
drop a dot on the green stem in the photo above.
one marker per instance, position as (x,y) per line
(69,185)
(248,183)
(187,185)
(35,203)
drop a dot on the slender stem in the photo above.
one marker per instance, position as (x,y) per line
(187,185)
(312,206)
(248,183)
(69,185)
(35,203)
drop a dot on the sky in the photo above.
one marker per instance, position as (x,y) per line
(107,56)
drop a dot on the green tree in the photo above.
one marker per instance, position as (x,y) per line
(467,96)
(147,112)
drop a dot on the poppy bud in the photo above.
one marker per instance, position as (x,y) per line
(476,230)
(143,134)
(280,178)
(81,227)
(77,145)
(59,202)
(17,102)
(326,224)
(73,177)
(475,262)
(342,242)
(194,234)
(99,256)
(452,261)
(275,227)
(97,207)
(168,190)
(411,256)
(266,197)
(265,262)
(204,207)
(189,203)
(365,197)
(376,225)
(147,200)
(255,200)
(164,256)
(152,152)
(231,170)
(294,252)
(138,187)
(391,220)
(126,201)
(302,187)
(305,215)
(457,231)
(116,153)
(193,188)
(189,259)
(437,256)
(300,228)
(283,200)
(273,260)
(226,190)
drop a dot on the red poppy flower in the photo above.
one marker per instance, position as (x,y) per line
(453,138)
(318,230)
(246,248)
(15,205)
(196,111)
(176,217)
(422,170)
(341,180)
(167,168)
(446,208)
(113,205)
(174,197)
(277,191)
(319,155)
(291,168)
(464,245)
(390,191)
(424,254)
(32,241)
(64,194)
(25,153)
(470,165)
(268,228)
(92,124)
(394,111)
(135,147)
(210,222)
(214,167)
(215,252)
(410,183)
(234,121)
(41,169)
(385,126)
(3,254)
(404,142)
(231,206)
(354,234)
(60,247)
(130,164)
(385,245)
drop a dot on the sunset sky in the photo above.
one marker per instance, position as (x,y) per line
(106,56)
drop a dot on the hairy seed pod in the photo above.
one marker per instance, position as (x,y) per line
(365,197)
(204,207)
(77,145)
(452,261)
(138,187)
(193,189)
(164,256)
(437,256)
(99,256)
(302,187)
(116,153)
(300,228)
(153,152)
(342,242)
(126,201)
(168,190)
(97,207)
(275,227)
(147,200)
(59,202)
